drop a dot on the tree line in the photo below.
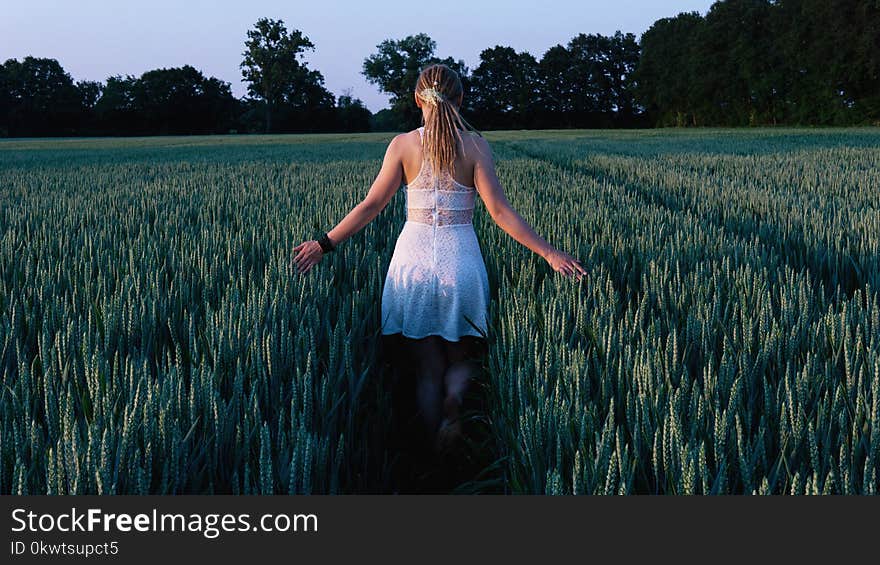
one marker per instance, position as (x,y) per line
(746,62)
(763,62)
(39,98)
(586,83)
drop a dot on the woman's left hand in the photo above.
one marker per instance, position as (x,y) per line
(310,253)
(564,263)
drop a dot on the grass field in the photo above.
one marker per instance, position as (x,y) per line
(155,337)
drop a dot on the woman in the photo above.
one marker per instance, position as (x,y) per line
(436,293)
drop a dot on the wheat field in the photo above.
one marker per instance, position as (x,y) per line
(156,338)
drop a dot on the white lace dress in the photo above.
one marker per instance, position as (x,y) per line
(437,282)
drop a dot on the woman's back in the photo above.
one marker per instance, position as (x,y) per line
(439,199)
(465,160)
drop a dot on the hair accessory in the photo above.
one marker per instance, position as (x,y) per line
(431,95)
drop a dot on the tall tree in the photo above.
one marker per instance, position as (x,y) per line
(556,88)
(504,88)
(90,92)
(588,55)
(622,65)
(754,62)
(6,98)
(733,72)
(807,52)
(862,79)
(831,54)
(116,110)
(40,97)
(665,74)
(272,65)
(395,69)
(306,105)
(602,70)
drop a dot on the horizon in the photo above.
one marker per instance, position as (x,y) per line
(80,36)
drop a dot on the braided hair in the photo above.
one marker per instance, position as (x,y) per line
(440,88)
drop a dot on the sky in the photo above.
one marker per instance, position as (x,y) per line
(94,39)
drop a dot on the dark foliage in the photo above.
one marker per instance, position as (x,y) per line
(764,62)
(746,62)
(395,70)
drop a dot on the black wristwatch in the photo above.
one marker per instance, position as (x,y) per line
(325,243)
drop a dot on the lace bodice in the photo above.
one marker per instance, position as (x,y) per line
(437,198)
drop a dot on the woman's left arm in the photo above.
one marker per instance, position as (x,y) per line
(492,194)
(383,188)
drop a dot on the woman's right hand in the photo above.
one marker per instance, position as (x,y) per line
(564,263)
(308,254)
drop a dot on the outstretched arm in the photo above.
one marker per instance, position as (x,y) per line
(383,188)
(510,221)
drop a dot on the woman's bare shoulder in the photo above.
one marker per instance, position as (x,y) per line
(404,142)
(479,143)
(408,139)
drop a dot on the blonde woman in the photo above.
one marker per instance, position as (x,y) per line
(436,293)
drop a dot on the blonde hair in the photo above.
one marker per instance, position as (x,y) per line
(438,86)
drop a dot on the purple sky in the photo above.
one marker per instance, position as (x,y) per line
(94,39)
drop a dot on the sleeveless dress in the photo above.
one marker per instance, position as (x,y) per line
(437,282)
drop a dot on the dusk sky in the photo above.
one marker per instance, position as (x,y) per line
(94,39)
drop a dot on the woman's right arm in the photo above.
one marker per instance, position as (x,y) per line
(383,188)
(492,194)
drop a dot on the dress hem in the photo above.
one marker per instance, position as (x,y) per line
(456,339)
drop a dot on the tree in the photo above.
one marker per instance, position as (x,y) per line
(733,72)
(602,69)
(116,110)
(856,25)
(384,120)
(504,87)
(625,53)
(272,68)
(588,53)
(183,101)
(756,62)
(39,98)
(665,75)
(754,48)
(831,55)
(89,92)
(6,98)
(351,114)
(555,89)
(395,70)
(165,102)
